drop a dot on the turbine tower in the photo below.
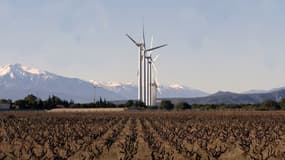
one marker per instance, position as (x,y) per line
(144,87)
(152,84)
(150,90)
(149,74)
(141,47)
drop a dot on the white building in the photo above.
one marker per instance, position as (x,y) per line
(4,106)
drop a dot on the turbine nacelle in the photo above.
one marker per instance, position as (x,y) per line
(135,42)
(143,44)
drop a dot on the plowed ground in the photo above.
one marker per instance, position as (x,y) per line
(187,135)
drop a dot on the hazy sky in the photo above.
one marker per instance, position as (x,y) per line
(233,45)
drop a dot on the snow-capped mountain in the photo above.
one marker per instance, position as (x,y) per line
(176,90)
(130,90)
(127,90)
(16,81)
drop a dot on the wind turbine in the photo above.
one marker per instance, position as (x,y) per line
(149,80)
(152,84)
(149,75)
(150,64)
(141,47)
(142,80)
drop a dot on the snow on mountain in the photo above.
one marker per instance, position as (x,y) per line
(17,81)
(127,90)
(178,91)
(111,84)
(176,86)
(130,90)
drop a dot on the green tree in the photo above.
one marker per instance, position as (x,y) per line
(129,103)
(140,104)
(22,104)
(5,101)
(282,104)
(52,102)
(166,104)
(182,106)
(31,101)
(40,104)
(56,101)
(270,105)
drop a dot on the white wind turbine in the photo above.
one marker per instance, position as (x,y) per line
(152,86)
(155,84)
(141,52)
(142,79)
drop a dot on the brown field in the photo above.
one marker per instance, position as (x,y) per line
(87,110)
(210,135)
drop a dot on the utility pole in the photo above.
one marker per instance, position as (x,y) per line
(94,99)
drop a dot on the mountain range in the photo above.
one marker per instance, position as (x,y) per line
(235,98)
(17,81)
(130,90)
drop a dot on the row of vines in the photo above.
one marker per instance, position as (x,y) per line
(194,135)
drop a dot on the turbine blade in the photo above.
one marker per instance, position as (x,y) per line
(151,44)
(143,36)
(155,58)
(137,44)
(154,67)
(151,49)
(157,85)
(159,89)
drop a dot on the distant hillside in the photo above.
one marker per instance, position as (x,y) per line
(234,98)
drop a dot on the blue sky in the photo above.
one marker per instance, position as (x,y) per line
(214,45)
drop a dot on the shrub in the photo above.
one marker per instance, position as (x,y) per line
(139,104)
(130,103)
(166,104)
(270,105)
(182,105)
(21,104)
(282,104)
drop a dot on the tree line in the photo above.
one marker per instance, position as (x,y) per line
(33,102)
(168,105)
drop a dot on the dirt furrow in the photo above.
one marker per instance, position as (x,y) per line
(115,151)
(167,148)
(144,152)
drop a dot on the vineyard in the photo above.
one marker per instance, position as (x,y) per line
(143,135)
